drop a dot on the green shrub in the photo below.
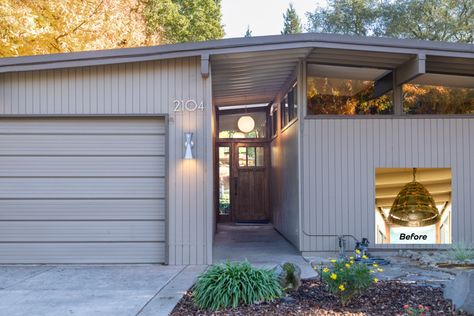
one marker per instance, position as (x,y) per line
(347,279)
(232,284)
(461,252)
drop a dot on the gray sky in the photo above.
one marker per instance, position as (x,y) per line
(265,17)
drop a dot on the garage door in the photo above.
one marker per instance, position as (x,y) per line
(82,190)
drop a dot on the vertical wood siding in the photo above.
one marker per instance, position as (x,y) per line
(338,172)
(284,183)
(146,88)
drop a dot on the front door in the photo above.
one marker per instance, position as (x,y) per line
(243,187)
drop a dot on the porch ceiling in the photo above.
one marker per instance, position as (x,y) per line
(254,77)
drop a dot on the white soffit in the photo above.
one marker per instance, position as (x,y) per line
(445,80)
(343,72)
(253,77)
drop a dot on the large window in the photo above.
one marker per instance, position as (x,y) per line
(336,90)
(289,106)
(439,94)
(229,128)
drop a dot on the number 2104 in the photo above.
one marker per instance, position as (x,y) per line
(187,105)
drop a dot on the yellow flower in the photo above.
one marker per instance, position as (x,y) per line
(351,258)
(325,270)
(375,265)
(358,251)
(333,260)
(352,261)
(342,288)
(372,271)
(376,280)
(365,257)
(334,276)
(348,265)
(380,270)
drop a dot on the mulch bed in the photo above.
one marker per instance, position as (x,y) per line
(384,298)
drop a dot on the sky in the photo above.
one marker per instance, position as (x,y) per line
(264,17)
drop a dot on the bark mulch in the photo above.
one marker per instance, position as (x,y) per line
(384,298)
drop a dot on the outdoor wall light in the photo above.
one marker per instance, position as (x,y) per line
(188,146)
(246,124)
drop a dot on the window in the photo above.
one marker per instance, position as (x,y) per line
(336,90)
(228,125)
(274,116)
(251,156)
(439,94)
(224,180)
(289,107)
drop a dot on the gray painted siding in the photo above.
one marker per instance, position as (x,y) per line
(78,203)
(284,183)
(135,89)
(338,172)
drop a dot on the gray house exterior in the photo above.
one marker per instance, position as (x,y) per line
(92,145)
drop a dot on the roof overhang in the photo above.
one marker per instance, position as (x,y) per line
(253,70)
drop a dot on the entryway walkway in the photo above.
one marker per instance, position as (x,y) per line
(261,245)
(93,290)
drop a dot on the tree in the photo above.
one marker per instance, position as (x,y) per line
(248,33)
(291,21)
(184,20)
(29,27)
(437,20)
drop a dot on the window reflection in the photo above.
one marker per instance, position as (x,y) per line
(224,180)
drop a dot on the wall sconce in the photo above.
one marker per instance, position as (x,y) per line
(188,146)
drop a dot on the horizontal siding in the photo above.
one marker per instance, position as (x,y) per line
(339,161)
(82,145)
(85,166)
(60,184)
(150,252)
(81,209)
(21,188)
(82,231)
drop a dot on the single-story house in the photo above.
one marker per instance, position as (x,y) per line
(135,155)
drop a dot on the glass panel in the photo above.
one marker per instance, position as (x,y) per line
(260,157)
(251,156)
(345,91)
(429,99)
(224,180)
(242,156)
(228,127)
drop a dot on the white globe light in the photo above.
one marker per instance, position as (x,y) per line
(246,124)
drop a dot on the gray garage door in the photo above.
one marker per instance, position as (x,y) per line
(82,190)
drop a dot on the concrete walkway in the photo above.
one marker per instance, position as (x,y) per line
(93,290)
(261,245)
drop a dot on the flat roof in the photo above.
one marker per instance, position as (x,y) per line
(235,45)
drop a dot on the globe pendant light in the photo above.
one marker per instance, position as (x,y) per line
(414,206)
(246,124)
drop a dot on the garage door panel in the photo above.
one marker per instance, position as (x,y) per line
(82,190)
(130,252)
(82,126)
(82,231)
(82,209)
(82,166)
(82,145)
(112,188)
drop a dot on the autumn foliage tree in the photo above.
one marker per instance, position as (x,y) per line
(30,27)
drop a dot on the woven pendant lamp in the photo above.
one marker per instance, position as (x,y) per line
(414,206)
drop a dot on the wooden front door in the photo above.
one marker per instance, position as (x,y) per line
(250,182)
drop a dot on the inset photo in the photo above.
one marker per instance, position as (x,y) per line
(413,205)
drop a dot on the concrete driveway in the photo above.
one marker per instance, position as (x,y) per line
(89,290)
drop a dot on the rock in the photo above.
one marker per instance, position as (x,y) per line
(289,275)
(461,291)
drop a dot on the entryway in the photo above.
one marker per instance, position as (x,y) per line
(261,245)
(243,182)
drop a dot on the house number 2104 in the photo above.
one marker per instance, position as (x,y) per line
(187,105)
